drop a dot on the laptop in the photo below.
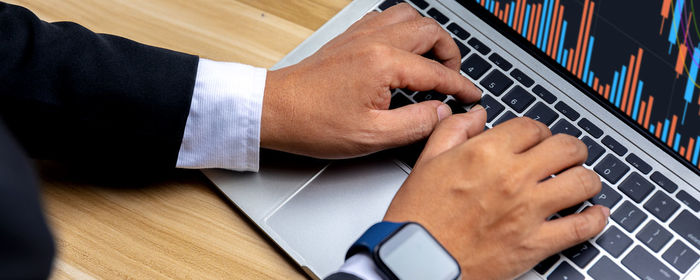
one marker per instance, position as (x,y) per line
(621,78)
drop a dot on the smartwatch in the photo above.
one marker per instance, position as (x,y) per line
(406,251)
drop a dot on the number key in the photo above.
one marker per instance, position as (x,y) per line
(475,66)
(611,168)
(496,82)
(518,99)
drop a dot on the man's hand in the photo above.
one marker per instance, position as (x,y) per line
(334,103)
(486,196)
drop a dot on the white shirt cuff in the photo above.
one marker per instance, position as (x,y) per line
(361,265)
(223,125)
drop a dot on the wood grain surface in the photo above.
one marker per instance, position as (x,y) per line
(137,224)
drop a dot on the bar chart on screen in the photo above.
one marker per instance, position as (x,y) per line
(642,57)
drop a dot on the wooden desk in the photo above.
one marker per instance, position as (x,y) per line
(172,225)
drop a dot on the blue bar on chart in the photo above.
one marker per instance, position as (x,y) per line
(620,86)
(561,45)
(677,10)
(664,134)
(676,142)
(525,22)
(696,154)
(588,59)
(540,33)
(613,92)
(637,99)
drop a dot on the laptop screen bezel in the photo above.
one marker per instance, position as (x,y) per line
(550,63)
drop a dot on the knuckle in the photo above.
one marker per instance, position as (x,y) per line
(570,146)
(405,8)
(589,181)
(529,125)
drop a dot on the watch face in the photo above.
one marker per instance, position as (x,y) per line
(412,253)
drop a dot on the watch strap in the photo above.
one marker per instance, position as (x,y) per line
(372,237)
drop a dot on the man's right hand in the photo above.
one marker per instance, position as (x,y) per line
(487,196)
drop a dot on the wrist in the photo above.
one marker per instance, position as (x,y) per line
(405,249)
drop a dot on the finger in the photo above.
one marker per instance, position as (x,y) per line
(422,35)
(418,73)
(567,189)
(408,124)
(555,154)
(519,134)
(398,13)
(566,232)
(453,131)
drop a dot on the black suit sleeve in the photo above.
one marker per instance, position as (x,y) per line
(342,276)
(67,93)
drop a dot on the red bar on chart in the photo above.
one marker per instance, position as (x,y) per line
(640,117)
(557,33)
(633,91)
(521,16)
(533,36)
(665,8)
(584,49)
(691,143)
(531,23)
(680,62)
(581,30)
(505,13)
(646,118)
(672,131)
(625,92)
(555,15)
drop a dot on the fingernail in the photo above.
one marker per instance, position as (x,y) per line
(606,212)
(443,111)
(476,107)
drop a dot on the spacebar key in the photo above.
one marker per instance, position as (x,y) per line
(646,266)
(688,226)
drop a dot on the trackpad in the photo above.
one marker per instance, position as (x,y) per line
(322,220)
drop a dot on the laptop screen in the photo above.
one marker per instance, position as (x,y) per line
(640,57)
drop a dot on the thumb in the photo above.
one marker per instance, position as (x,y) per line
(408,124)
(453,131)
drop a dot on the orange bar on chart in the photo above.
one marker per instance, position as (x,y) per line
(584,49)
(607,91)
(633,91)
(658,130)
(495,8)
(682,151)
(505,13)
(640,117)
(680,62)
(595,83)
(521,18)
(691,143)
(538,13)
(555,15)
(601,90)
(568,61)
(581,30)
(672,131)
(625,92)
(516,14)
(646,118)
(557,33)
(531,22)
(665,8)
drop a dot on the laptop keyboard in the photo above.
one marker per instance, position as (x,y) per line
(655,229)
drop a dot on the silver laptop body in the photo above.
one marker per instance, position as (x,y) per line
(314,209)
